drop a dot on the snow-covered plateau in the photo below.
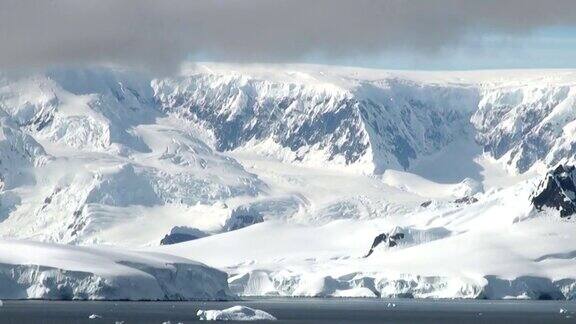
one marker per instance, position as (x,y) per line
(294,180)
(39,270)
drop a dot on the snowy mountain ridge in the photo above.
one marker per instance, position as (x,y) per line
(308,163)
(373,126)
(160,137)
(386,120)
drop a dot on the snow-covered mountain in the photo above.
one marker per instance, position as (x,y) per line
(93,143)
(528,122)
(366,125)
(299,168)
(377,120)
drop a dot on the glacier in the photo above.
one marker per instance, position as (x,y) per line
(289,172)
(33,270)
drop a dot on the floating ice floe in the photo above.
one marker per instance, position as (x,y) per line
(235,313)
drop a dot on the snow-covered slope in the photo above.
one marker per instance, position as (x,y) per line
(289,172)
(367,126)
(49,271)
(528,122)
(496,247)
(369,121)
(95,146)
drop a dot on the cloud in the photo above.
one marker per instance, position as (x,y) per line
(162,33)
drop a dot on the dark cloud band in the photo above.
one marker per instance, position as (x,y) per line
(162,33)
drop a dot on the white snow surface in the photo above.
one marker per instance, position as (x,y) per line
(329,157)
(51,271)
(235,313)
(494,248)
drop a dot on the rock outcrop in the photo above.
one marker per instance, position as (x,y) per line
(180,234)
(241,217)
(557,191)
(391,239)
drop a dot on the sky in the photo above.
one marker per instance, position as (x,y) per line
(543,48)
(390,34)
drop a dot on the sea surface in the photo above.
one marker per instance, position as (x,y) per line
(297,310)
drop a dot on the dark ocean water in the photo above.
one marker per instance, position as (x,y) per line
(296,311)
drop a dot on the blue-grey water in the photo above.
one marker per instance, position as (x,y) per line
(297,311)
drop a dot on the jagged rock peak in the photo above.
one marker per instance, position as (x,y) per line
(558,191)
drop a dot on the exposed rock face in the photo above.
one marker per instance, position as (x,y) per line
(241,217)
(558,191)
(180,234)
(426,203)
(391,239)
(466,200)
